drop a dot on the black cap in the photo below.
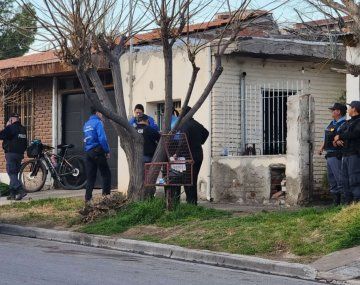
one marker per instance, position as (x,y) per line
(14,115)
(355,104)
(339,106)
(142,118)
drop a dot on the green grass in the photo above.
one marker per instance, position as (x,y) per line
(4,189)
(151,212)
(306,233)
(309,232)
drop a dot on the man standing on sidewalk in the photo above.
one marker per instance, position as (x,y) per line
(334,153)
(349,139)
(197,135)
(14,145)
(97,152)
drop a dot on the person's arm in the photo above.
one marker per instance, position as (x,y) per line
(321,149)
(153,124)
(204,134)
(132,122)
(354,134)
(102,137)
(6,133)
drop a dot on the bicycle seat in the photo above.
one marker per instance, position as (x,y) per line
(65,146)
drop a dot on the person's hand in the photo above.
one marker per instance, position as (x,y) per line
(8,123)
(320,152)
(340,143)
(107,155)
(336,138)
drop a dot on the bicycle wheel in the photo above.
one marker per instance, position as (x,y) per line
(73,174)
(32,175)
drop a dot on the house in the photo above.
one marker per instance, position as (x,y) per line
(265,115)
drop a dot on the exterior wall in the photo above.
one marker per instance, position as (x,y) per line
(324,85)
(148,89)
(352,82)
(246,180)
(42,89)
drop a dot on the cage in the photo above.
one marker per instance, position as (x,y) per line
(177,170)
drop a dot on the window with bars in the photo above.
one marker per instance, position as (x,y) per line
(160,112)
(21,102)
(274,120)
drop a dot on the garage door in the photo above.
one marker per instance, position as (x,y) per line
(75,112)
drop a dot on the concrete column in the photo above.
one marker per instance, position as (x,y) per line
(298,149)
(352,82)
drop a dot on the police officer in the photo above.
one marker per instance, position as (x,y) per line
(97,152)
(334,153)
(349,139)
(14,145)
(196,134)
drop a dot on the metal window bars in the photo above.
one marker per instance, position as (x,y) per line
(178,169)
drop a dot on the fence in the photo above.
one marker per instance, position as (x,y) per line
(254,119)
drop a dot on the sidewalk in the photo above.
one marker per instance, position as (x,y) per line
(343,265)
(45,194)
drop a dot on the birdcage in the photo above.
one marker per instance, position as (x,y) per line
(177,170)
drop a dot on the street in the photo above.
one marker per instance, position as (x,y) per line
(33,261)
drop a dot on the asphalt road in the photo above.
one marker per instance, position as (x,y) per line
(32,261)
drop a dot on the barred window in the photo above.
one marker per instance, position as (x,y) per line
(20,100)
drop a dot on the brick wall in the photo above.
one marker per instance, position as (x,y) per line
(42,89)
(324,85)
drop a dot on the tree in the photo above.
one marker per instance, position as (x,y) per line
(17,29)
(86,32)
(349,8)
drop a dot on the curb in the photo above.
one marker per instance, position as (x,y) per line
(234,261)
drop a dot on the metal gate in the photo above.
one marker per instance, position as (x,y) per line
(75,112)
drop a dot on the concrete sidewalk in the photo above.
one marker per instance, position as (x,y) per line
(54,193)
(343,265)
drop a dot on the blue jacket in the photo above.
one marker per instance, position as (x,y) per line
(152,123)
(94,134)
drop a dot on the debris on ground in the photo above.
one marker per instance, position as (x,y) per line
(104,206)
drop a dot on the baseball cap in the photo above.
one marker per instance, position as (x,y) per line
(14,115)
(142,118)
(339,106)
(355,104)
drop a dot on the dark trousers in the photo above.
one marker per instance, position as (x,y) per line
(351,177)
(13,164)
(334,175)
(93,162)
(191,191)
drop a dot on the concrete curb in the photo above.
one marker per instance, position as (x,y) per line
(234,261)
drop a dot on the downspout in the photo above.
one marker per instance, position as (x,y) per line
(208,184)
(54,114)
(242,111)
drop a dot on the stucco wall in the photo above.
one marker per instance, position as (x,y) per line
(148,89)
(324,85)
(244,180)
(352,82)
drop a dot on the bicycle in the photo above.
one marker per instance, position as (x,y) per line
(69,172)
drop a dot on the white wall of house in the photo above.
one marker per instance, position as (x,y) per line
(148,89)
(324,85)
(352,82)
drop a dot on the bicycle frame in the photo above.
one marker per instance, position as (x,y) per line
(46,157)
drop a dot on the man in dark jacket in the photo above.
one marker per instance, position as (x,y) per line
(97,152)
(14,145)
(334,153)
(150,135)
(197,136)
(349,138)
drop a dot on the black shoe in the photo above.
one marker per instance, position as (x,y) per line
(20,196)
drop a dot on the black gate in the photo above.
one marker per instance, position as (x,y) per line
(75,112)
